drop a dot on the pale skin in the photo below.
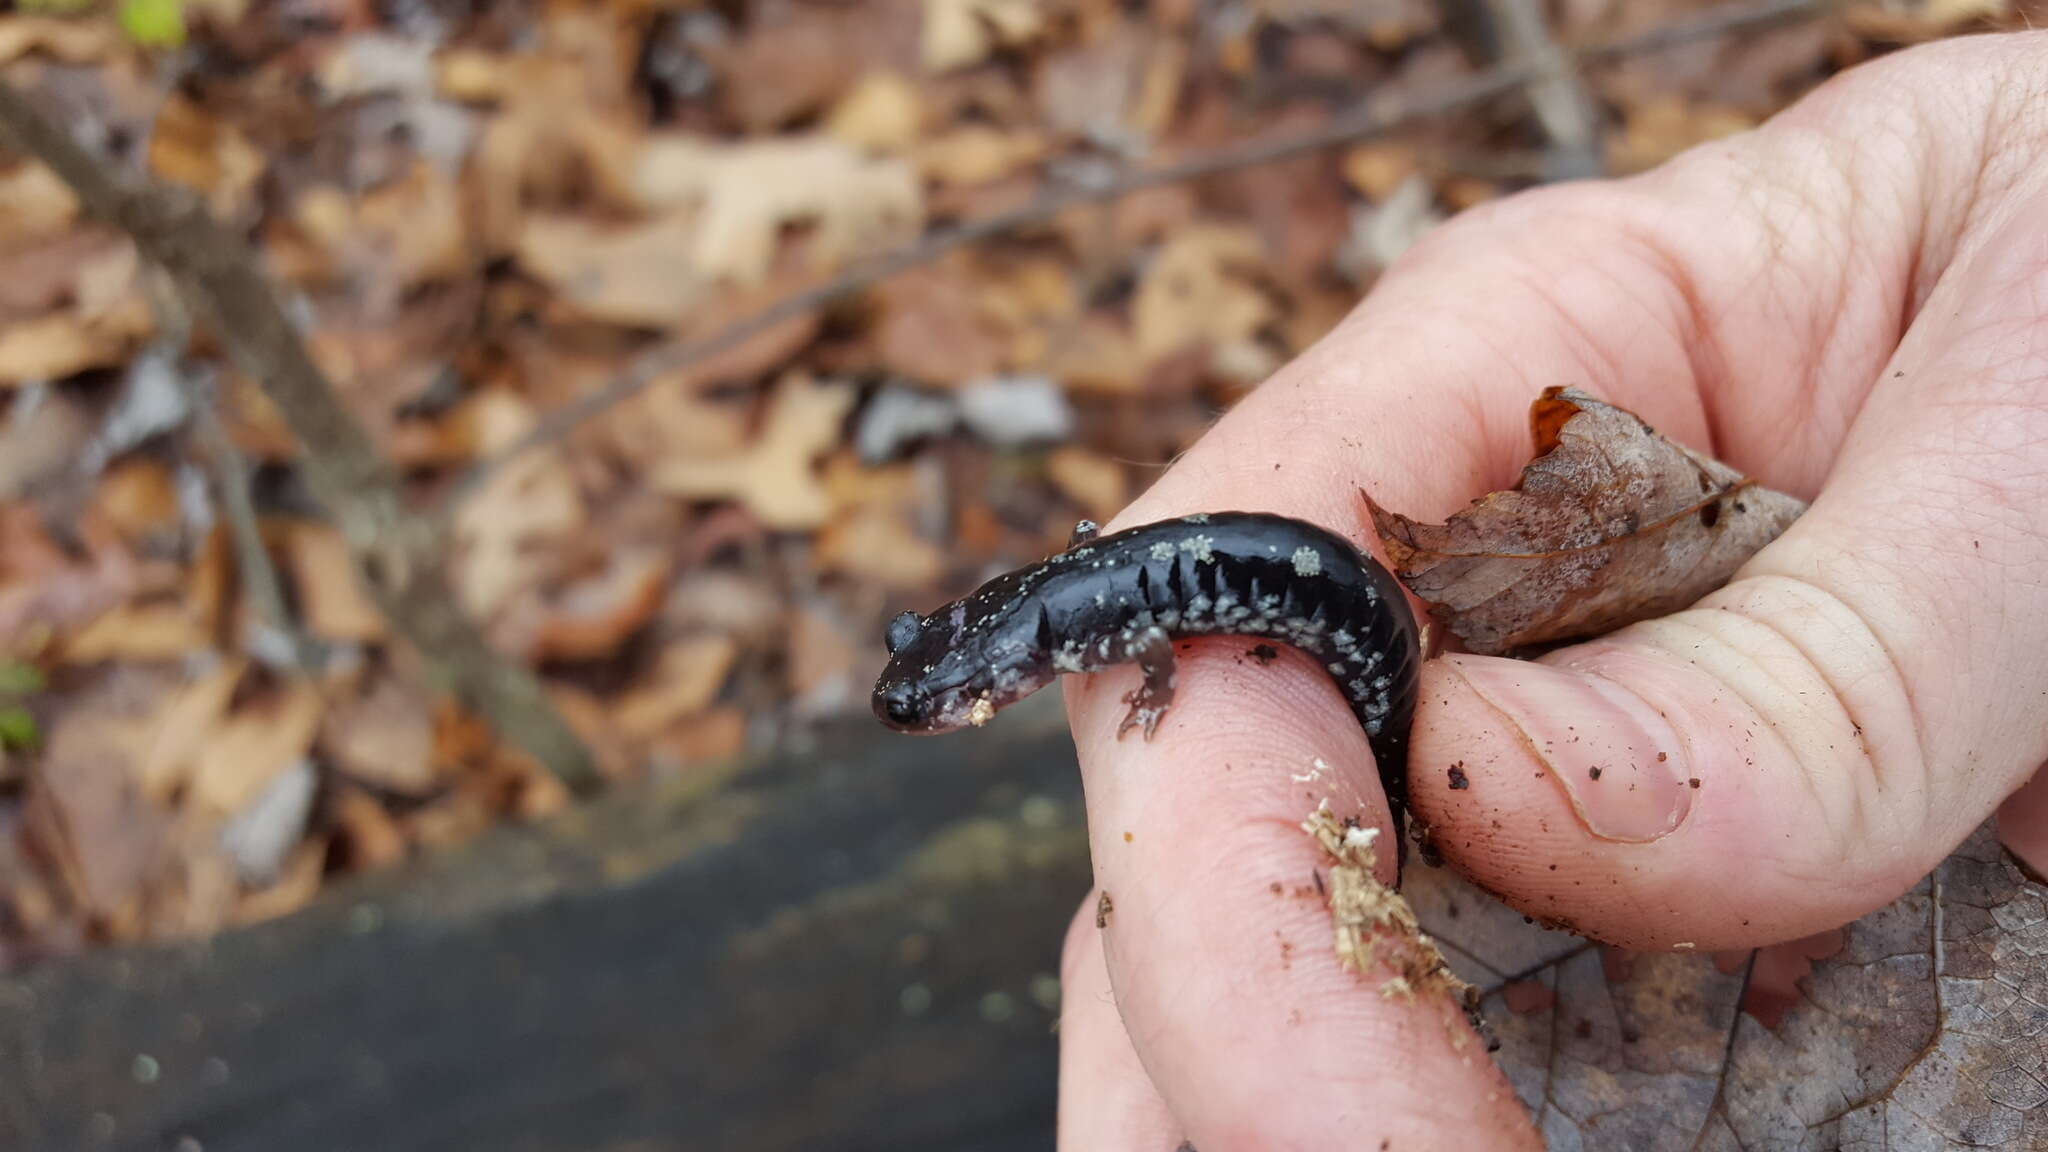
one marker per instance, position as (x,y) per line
(1850,304)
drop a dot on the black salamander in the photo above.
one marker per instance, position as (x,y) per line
(1124,598)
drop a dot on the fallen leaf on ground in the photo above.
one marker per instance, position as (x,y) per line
(504,528)
(260,741)
(1096,483)
(1198,291)
(592,617)
(641,274)
(776,478)
(687,678)
(86,808)
(1611,523)
(182,727)
(746,194)
(331,601)
(932,330)
(383,735)
(958,33)
(882,113)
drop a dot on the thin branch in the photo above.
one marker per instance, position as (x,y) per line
(1376,115)
(1558,95)
(398,554)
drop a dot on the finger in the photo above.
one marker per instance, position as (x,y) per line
(2023,824)
(1221,948)
(1106,1102)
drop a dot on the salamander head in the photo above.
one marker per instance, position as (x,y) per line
(941,678)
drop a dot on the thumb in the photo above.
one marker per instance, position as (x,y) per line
(1803,745)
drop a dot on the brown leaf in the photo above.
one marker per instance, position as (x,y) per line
(1610,524)
(931,328)
(686,679)
(332,601)
(256,744)
(775,478)
(383,735)
(591,618)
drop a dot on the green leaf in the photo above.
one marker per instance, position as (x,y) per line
(18,728)
(154,23)
(19,679)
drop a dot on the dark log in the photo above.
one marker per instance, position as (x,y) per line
(850,947)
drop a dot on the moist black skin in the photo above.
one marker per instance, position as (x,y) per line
(1126,597)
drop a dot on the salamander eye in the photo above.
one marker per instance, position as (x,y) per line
(902,630)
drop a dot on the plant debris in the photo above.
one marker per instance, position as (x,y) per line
(1611,523)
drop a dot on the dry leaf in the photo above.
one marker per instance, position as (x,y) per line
(1197,291)
(256,745)
(591,618)
(34,206)
(74,41)
(686,679)
(85,802)
(331,600)
(746,194)
(383,735)
(503,530)
(931,329)
(775,478)
(882,114)
(145,632)
(641,274)
(139,499)
(1611,523)
(369,837)
(1378,167)
(789,67)
(181,728)
(978,154)
(190,146)
(958,33)
(1096,483)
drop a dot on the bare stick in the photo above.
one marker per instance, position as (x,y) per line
(1558,95)
(1376,115)
(397,553)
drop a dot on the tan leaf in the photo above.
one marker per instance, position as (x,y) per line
(776,478)
(1198,291)
(1611,523)
(593,617)
(87,805)
(686,679)
(73,41)
(503,528)
(881,114)
(383,735)
(875,543)
(144,632)
(191,146)
(746,194)
(369,837)
(138,498)
(256,744)
(1096,483)
(978,154)
(34,205)
(641,274)
(331,599)
(182,727)
(958,33)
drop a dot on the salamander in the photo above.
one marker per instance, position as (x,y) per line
(1124,598)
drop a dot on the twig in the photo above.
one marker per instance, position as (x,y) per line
(1376,115)
(1558,94)
(397,553)
(231,476)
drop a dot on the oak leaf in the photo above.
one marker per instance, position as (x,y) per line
(1611,523)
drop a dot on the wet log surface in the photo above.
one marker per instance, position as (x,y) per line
(846,947)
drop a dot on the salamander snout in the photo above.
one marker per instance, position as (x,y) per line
(899,707)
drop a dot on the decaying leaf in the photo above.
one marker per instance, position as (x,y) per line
(686,679)
(1921,1030)
(1199,290)
(1610,524)
(962,32)
(383,735)
(776,478)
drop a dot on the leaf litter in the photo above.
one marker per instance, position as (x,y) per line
(486,216)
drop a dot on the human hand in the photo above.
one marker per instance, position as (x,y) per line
(1849,304)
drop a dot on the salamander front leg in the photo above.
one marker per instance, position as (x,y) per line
(1152,650)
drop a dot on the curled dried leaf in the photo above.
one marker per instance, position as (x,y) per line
(1611,523)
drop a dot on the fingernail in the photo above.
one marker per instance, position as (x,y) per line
(1617,759)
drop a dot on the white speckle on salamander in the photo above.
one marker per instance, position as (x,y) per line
(1197,518)
(1067,658)
(1307,562)
(1101,599)
(1200,547)
(1162,551)
(981,712)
